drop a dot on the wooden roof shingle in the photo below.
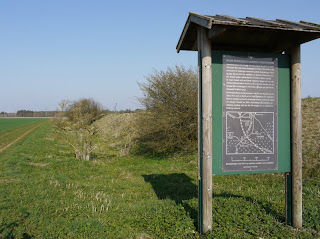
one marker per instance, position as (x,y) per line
(247,34)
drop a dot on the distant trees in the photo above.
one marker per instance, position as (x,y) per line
(24,113)
(30,113)
(74,122)
(3,114)
(170,120)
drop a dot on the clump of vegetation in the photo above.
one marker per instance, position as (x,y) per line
(119,131)
(75,124)
(169,123)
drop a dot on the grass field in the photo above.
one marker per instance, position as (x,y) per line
(12,130)
(47,193)
(8,124)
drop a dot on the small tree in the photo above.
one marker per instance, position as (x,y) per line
(76,127)
(64,104)
(170,100)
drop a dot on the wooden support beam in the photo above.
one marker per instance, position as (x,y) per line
(201,20)
(195,47)
(296,134)
(216,31)
(205,61)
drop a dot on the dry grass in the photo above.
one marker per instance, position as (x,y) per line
(8,180)
(38,164)
(119,130)
(311,137)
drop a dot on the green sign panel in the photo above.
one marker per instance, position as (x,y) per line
(251,113)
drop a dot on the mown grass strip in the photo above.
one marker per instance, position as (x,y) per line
(9,138)
(14,130)
(8,124)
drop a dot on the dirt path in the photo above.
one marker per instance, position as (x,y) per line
(19,138)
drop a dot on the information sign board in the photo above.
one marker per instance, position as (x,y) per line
(250,113)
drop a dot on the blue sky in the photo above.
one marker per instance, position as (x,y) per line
(68,49)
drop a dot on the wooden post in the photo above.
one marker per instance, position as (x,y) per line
(288,197)
(296,134)
(199,135)
(205,62)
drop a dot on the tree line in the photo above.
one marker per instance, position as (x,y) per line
(29,113)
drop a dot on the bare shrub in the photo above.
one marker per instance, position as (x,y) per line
(75,125)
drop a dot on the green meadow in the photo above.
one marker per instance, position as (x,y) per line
(8,124)
(45,192)
(12,130)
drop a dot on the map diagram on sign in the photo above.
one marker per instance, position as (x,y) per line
(249,132)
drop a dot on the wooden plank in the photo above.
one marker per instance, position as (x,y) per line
(206,177)
(277,24)
(311,23)
(224,22)
(297,24)
(201,21)
(205,21)
(296,134)
(235,19)
(184,32)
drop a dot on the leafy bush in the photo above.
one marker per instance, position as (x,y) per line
(170,120)
(83,112)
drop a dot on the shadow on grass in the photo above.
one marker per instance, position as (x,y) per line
(265,206)
(103,156)
(7,229)
(177,187)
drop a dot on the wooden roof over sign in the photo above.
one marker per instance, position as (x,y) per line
(247,34)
